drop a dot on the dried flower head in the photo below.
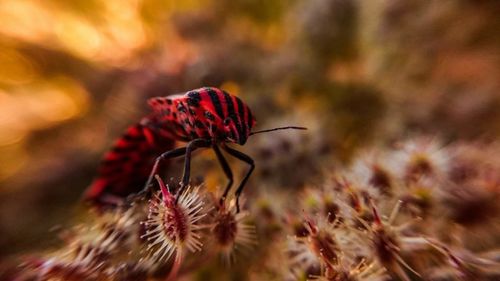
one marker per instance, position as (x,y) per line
(323,244)
(303,262)
(461,264)
(230,231)
(418,198)
(89,250)
(172,227)
(81,264)
(352,270)
(421,157)
(331,252)
(370,169)
(389,242)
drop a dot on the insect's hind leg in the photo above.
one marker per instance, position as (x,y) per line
(169,154)
(245,158)
(227,171)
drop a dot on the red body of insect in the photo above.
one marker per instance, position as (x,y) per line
(205,117)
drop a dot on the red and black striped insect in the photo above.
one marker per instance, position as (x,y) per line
(205,118)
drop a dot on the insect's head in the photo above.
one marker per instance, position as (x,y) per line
(236,130)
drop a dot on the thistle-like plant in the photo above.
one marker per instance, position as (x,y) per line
(173,227)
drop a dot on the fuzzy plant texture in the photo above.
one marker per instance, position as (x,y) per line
(417,210)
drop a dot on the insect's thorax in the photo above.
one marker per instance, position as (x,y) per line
(191,122)
(204,113)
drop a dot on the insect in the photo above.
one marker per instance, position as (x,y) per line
(204,118)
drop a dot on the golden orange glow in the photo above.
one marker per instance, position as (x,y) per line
(117,26)
(16,69)
(78,36)
(42,105)
(34,107)
(26,20)
(38,106)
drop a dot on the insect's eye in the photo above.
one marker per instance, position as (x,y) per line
(227,121)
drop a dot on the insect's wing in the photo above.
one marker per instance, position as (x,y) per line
(164,108)
(167,111)
(126,167)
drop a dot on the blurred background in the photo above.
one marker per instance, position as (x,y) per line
(75,74)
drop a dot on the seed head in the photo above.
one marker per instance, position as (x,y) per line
(370,169)
(388,243)
(229,231)
(323,244)
(421,157)
(173,227)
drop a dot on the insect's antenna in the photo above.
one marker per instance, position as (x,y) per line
(279,128)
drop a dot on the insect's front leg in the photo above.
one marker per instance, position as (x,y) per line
(169,154)
(147,187)
(245,158)
(192,146)
(227,171)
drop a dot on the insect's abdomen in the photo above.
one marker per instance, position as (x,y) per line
(126,167)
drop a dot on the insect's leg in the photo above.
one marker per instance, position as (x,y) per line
(169,154)
(227,171)
(192,146)
(245,158)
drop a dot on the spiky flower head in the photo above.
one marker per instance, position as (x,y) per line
(230,231)
(331,252)
(323,244)
(88,251)
(172,227)
(421,157)
(389,242)
(370,169)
